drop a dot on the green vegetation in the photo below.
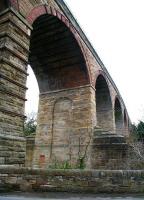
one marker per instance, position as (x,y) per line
(138,131)
(81,163)
(67,165)
(135,153)
(61,165)
(30,125)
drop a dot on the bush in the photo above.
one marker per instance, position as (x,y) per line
(30,125)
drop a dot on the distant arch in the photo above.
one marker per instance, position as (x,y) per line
(104,111)
(125,123)
(118,116)
(125,119)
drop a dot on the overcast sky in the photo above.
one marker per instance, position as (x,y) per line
(116,30)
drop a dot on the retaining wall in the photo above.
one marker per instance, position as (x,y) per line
(94,181)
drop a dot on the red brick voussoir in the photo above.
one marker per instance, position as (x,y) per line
(43,9)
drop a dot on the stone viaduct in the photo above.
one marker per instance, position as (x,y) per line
(80,108)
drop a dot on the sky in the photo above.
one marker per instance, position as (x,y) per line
(115,29)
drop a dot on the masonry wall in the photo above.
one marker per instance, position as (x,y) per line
(62,114)
(13,65)
(64,128)
(28,180)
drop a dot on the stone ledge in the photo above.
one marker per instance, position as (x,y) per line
(14,138)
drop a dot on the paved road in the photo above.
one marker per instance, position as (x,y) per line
(64,196)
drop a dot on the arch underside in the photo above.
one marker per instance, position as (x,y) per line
(104,110)
(55,56)
(125,119)
(118,117)
(126,132)
(3,5)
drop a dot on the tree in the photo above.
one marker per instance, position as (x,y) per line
(30,124)
(135,154)
(138,130)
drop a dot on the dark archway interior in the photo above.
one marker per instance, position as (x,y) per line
(103,104)
(3,4)
(118,116)
(125,119)
(125,123)
(55,56)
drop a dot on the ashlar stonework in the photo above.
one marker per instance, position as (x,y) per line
(77,94)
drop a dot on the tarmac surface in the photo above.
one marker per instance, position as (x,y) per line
(68,196)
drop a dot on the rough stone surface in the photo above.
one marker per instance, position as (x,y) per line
(76,91)
(94,181)
(108,150)
(62,122)
(30,143)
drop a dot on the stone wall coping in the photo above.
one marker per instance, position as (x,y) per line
(11,169)
(62,90)
(91,181)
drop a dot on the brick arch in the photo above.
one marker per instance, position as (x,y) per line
(126,122)
(36,12)
(118,113)
(55,55)
(101,72)
(44,9)
(104,108)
